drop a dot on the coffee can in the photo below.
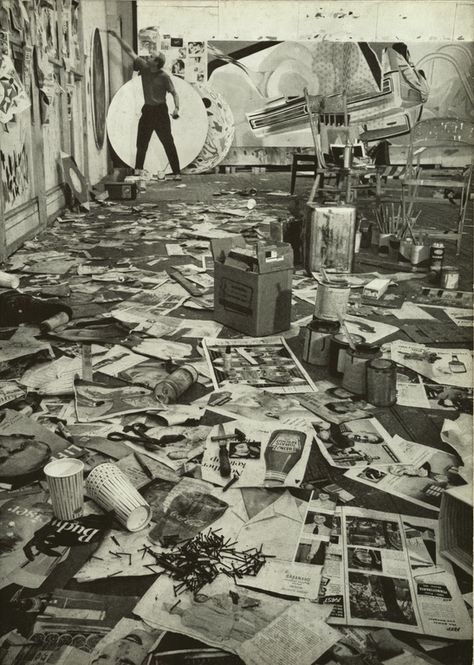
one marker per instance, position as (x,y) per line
(355,367)
(331,300)
(404,251)
(337,351)
(317,339)
(436,257)
(449,277)
(420,258)
(381,382)
(171,388)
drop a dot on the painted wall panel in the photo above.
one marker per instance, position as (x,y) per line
(16,163)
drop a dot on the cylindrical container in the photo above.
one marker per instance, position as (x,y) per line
(112,490)
(355,368)
(59,319)
(171,388)
(337,351)
(381,382)
(8,281)
(317,339)
(420,258)
(358,238)
(449,277)
(331,300)
(375,236)
(404,251)
(347,156)
(436,257)
(65,479)
(384,243)
(394,247)
(281,454)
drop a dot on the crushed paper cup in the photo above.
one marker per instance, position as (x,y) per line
(251,203)
(8,281)
(65,479)
(111,489)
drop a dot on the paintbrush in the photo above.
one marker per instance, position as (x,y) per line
(350,339)
(224,462)
(325,275)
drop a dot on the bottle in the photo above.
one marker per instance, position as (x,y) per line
(456,366)
(281,454)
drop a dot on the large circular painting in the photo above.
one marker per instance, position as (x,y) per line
(220,131)
(189,130)
(98,89)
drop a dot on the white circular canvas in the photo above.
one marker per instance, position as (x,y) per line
(189,130)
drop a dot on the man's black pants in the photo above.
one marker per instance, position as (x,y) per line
(156,118)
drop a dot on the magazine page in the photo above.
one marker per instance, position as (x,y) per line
(256,456)
(451,367)
(377,576)
(441,606)
(264,363)
(365,441)
(422,484)
(331,589)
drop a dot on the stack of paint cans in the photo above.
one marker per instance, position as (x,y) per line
(330,307)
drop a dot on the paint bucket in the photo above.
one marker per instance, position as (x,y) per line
(170,389)
(436,257)
(337,351)
(394,247)
(317,338)
(449,277)
(420,258)
(331,300)
(384,243)
(8,281)
(404,251)
(381,382)
(355,367)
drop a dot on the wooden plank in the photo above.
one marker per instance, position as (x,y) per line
(434,183)
(3,241)
(38,152)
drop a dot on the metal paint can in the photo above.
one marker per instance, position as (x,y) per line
(384,243)
(355,367)
(449,277)
(331,300)
(317,338)
(436,257)
(171,388)
(381,382)
(404,251)
(420,258)
(337,351)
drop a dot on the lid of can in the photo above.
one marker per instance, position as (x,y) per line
(381,363)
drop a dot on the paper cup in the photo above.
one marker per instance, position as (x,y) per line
(8,281)
(66,486)
(111,489)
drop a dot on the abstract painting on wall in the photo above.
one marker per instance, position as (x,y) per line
(15,176)
(13,97)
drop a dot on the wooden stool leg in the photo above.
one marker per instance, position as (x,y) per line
(293,175)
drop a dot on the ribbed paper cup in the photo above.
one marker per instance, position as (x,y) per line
(66,486)
(111,489)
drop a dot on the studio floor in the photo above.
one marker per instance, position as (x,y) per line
(94,262)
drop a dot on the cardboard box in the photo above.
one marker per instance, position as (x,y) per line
(252,285)
(455,526)
(329,237)
(121,191)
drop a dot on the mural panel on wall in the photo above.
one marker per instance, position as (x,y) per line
(393,91)
(14,165)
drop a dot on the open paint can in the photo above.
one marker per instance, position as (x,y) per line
(170,389)
(317,339)
(337,351)
(381,382)
(355,367)
(331,300)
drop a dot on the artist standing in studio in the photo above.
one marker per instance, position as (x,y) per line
(155,116)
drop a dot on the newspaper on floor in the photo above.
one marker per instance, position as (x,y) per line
(264,363)
(335,404)
(10,391)
(363,442)
(422,484)
(99,401)
(147,306)
(388,573)
(451,367)
(259,455)
(240,621)
(372,331)
(418,391)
